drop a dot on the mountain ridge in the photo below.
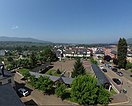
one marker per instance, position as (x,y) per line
(19,39)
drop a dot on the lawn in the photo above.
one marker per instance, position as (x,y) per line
(23,71)
(53,72)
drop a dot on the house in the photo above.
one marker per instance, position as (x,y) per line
(77,52)
(113,54)
(99,53)
(6,76)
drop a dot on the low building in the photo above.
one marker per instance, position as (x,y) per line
(55,79)
(101,78)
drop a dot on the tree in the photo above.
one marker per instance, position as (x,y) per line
(78,68)
(32,80)
(103,96)
(49,54)
(44,84)
(33,59)
(84,89)
(122,52)
(93,61)
(60,89)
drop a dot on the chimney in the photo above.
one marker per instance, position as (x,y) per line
(2,69)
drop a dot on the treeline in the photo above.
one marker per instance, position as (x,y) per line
(11,45)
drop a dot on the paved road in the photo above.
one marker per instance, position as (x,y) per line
(127,84)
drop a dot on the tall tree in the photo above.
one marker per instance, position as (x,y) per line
(122,52)
(78,68)
(33,59)
(49,54)
(84,90)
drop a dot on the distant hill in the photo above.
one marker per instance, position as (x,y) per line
(15,39)
(129,40)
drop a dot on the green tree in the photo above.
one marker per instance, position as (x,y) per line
(84,89)
(44,84)
(33,80)
(93,61)
(103,96)
(49,54)
(78,68)
(33,59)
(129,65)
(60,90)
(122,52)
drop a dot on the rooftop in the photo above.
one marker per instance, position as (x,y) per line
(66,80)
(102,79)
(8,96)
(6,74)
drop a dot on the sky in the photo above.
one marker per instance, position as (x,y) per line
(67,21)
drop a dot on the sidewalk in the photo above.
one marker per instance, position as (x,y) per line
(119,99)
(42,99)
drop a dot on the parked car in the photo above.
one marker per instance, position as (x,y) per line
(117,81)
(130,75)
(101,67)
(104,70)
(23,91)
(120,73)
(109,66)
(114,69)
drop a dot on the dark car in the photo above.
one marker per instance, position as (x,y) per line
(114,69)
(104,70)
(120,73)
(117,81)
(130,75)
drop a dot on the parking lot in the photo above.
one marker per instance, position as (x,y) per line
(126,83)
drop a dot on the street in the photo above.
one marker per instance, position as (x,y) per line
(127,84)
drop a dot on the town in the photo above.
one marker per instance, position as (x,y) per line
(62,72)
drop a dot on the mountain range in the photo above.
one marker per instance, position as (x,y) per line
(14,39)
(18,39)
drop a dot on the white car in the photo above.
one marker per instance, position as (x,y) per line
(101,67)
(23,91)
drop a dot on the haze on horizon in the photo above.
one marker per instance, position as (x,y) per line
(67,21)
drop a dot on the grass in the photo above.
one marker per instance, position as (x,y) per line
(52,72)
(23,70)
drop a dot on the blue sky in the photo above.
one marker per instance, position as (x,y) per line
(71,21)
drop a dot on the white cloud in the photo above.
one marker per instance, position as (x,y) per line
(14,27)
